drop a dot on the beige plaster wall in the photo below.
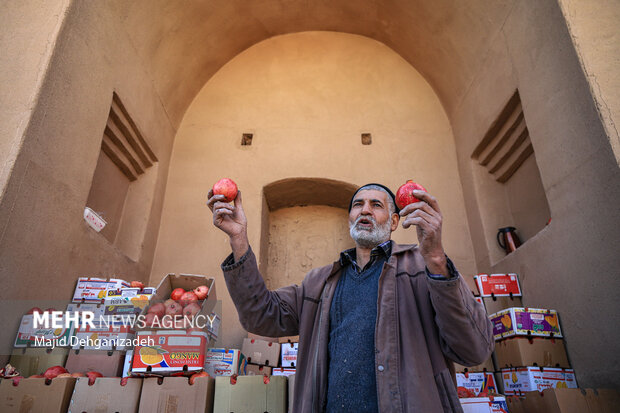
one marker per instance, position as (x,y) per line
(29,33)
(572,264)
(45,244)
(593,27)
(307,98)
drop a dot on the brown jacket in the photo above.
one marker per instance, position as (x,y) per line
(422,324)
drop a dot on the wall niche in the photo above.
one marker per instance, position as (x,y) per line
(124,181)
(508,184)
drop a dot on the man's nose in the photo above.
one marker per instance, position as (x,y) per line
(366,210)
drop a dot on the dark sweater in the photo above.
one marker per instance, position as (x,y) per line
(352,317)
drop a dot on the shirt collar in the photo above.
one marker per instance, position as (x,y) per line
(383,249)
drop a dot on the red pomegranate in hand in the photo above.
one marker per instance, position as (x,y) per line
(404,195)
(226,187)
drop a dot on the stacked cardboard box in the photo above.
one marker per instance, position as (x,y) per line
(36,395)
(250,394)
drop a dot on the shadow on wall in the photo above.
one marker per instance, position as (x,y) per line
(304,225)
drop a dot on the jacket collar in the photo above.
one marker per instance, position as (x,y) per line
(396,249)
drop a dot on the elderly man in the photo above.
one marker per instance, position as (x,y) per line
(379,327)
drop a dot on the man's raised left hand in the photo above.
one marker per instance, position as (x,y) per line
(427,218)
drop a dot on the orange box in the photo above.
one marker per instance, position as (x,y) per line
(169,351)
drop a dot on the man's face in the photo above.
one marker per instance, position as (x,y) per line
(370,221)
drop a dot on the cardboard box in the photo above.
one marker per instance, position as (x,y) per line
(101,311)
(495,404)
(255,370)
(289,354)
(291,392)
(264,338)
(476,384)
(281,371)
(108,332)
(250,394)
(484,367)
(187,282)
(106,395)
(34,396)
(222,362)
(519,321)
(498,285)
(108,363)
(538,351)
(521,380)
(175,394)
(29,361)
(94,290)
(127,363)
(30,336)
(288,339)
(261,352)
(497,304)
(136,297)
(169,351)
(214,326)
(566,401)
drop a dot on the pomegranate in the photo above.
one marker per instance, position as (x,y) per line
(187,298)
(54,371)
(16,380)
(92,376)
(196,375)
(36,376)
(201,292)
(226,187)
(34,310)
(158,309)
(177,293)
(404,195)
(173,308)
(150,319)
(191,310)
(137,284)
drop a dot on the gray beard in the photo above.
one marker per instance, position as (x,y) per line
(370,238)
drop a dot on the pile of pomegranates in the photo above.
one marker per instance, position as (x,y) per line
(60,372)
(181,303)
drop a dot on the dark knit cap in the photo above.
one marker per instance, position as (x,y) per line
(382,186)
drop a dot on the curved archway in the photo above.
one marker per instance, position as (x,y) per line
(291,192)
(306,98)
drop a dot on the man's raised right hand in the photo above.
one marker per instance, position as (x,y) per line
(231,220)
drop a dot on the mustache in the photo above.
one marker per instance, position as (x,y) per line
(367,218)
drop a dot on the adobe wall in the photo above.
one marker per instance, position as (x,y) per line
(307,98)
(59,117)
(572,264)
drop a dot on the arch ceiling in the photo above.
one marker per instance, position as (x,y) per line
(185,43)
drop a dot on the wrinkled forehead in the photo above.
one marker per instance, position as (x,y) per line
(371,194)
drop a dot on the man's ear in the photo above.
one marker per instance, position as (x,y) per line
(395,218)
